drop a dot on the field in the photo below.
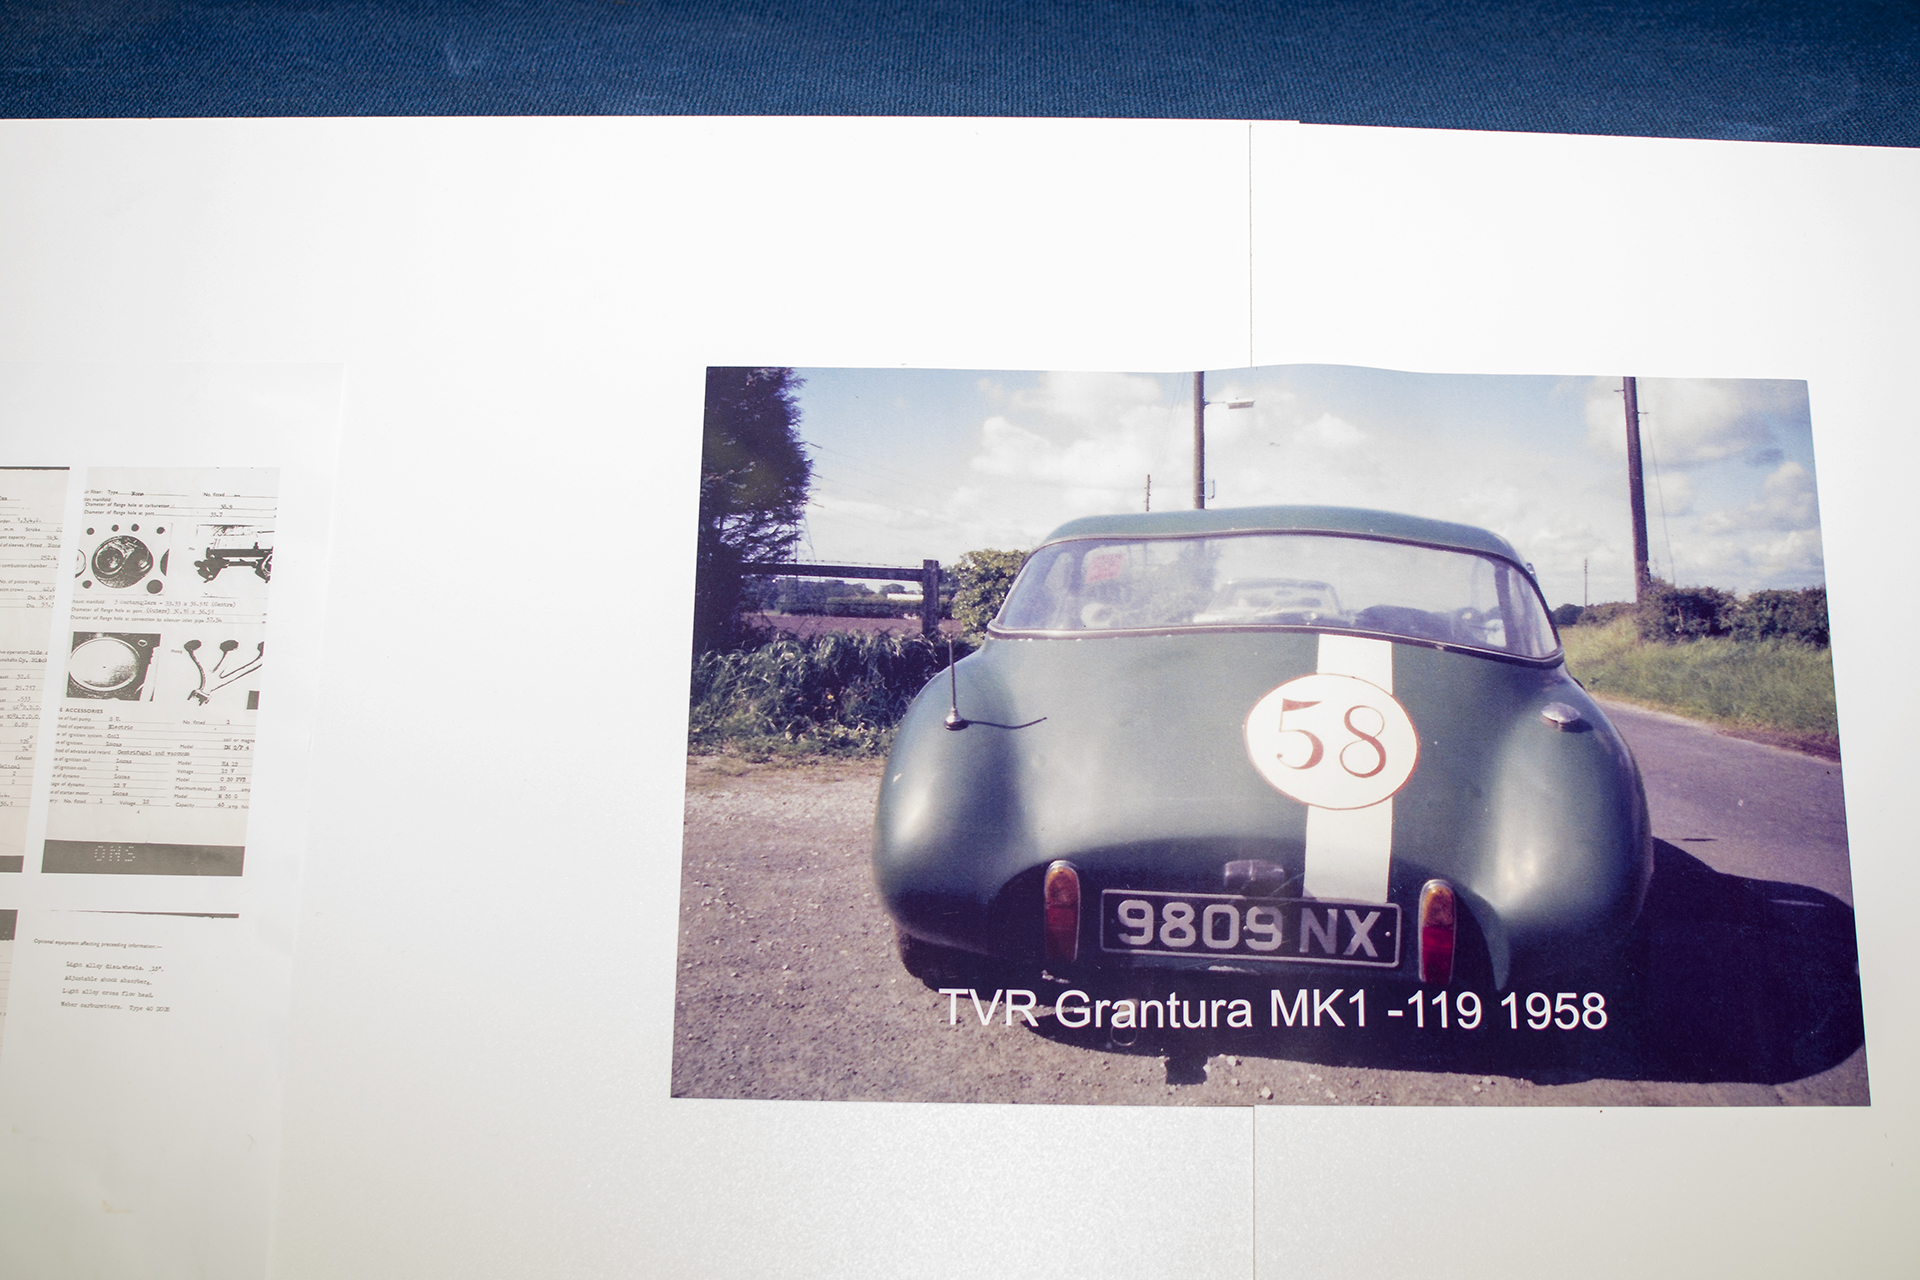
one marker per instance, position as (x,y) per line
(1778,691)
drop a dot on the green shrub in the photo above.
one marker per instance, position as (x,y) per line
(838,693)
(1567,615)
(982,579)
(1669,613)
(1790,615)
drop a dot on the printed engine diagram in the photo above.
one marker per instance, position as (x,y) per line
(122,558)
(219,674)
(224,551)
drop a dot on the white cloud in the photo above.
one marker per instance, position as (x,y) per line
(1742,563)
(1606,416)
(1787,503)
(1067,445)
(1007,450)
(1329,432)
(1689,421)
(1084,444)
(1090,439)
(1671,494)
(1088,397)
(1773,541)
(1796,557)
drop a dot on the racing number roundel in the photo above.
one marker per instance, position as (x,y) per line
(1338,742)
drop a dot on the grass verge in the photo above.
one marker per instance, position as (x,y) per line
(1778,691)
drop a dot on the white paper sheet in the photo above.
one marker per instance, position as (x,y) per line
(33,501)
(143,1019)
(482,1017)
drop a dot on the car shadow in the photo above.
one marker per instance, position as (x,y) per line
(1727,979)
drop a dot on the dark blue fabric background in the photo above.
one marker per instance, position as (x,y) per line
(1788,70)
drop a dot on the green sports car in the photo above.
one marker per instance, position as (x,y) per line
(1262,741)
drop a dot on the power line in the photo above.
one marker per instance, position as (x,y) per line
(1666,533)
(893,475)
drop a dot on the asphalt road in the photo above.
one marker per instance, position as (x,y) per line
(789,985)
(1741,807)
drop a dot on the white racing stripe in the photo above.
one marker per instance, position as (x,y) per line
(1369,660)
(1350,851)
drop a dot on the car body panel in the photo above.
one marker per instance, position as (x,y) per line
(1126,755)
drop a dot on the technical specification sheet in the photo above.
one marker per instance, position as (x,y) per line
(153,757)
(33,501)
(157,691)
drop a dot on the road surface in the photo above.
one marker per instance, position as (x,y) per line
(1741,807)
(789,985)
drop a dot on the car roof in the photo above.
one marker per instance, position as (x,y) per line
(1288,519)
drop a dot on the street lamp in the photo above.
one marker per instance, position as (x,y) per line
(1200,403)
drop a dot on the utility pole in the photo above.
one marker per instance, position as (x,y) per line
(1636,490)
(1586,596)
(1199,441)
(1149,490)
(1200,437)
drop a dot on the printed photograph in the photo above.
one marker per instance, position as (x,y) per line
(1299,734)
(108,664)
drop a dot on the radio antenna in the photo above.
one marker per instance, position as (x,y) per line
(954,720)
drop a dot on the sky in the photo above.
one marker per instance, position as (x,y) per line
(910,464)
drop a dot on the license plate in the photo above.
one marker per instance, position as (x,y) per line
(1220,925)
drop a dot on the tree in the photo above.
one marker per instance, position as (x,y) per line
(981,582)
(754,477)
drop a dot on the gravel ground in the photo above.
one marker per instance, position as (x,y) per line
(790,987)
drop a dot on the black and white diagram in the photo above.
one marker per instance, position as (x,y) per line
(233,545)
(110,664)
(220,667)
(153,752)
(124,558)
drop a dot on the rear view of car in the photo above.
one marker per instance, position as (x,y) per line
(1251,741)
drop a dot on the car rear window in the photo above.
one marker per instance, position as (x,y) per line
(1311,581)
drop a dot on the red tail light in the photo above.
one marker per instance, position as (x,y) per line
(1436,932)
(1061,894)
